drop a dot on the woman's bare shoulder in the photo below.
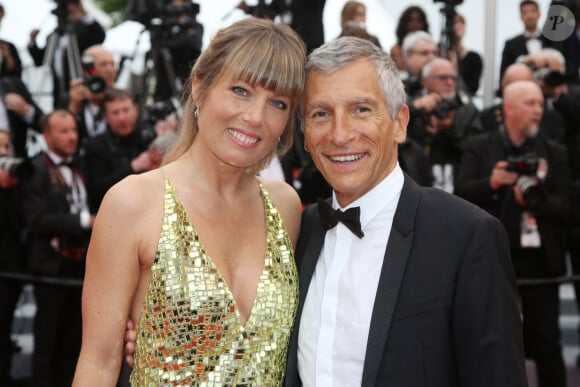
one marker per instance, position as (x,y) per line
(287,201)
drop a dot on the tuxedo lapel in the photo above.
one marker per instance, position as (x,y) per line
(307,251)
(391,277)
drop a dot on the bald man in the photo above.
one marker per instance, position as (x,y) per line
(523,179)
(551,126)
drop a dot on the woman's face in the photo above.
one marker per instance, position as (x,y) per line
(240,124)
(4,144)
(459,28)
(360,15)
(415,22)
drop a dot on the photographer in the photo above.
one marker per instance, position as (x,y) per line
(442,127)
(73,22)
(176,40)
(524,180)
(12,257)
(86,95)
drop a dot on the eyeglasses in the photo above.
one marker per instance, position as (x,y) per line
(425,52)
(444,77)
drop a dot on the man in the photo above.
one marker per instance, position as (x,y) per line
(417,297)
(423,298)
(58,222)
(443,129)
(87,104)
(524,181)
(18,113)
(120,151)
(12,257)
(418,49)
(71,17)
(529,42)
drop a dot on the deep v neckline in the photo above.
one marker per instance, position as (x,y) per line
(209,259)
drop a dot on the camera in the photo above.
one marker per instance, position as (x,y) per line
(158,111)
(94,83)
(445,107)
(549,77)
(526,166)
(18,168)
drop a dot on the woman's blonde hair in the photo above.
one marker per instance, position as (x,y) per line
(256,51)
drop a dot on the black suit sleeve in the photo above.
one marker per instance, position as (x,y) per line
(486,322)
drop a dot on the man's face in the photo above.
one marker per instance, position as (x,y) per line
(422,53)
(105,66)
(524,110)
(4,144)
(530,15)
(61,136)
(348,130)
(442,79)
(121,115)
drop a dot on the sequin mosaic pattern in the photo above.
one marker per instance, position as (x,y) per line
(190,332)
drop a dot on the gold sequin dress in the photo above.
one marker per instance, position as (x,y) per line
(190,332)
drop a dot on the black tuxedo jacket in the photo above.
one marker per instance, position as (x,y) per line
(18,125)
(446,311)
(46,214)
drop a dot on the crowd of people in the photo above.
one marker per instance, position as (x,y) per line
(155,208)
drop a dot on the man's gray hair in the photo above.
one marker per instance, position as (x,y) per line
(411,40)
(340,52)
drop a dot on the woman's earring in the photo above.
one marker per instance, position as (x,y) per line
(196,111)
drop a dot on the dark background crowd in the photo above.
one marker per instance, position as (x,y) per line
(519,158)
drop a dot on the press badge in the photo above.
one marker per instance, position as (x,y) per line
(529,237)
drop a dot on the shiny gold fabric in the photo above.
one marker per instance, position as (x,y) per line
(190,331)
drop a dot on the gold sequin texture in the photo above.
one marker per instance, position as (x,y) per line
(190,332)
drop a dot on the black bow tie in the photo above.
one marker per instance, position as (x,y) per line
(69,164)
(330,217)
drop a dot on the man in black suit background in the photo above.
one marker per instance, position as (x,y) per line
(18,112)
(528,42)
(58,224)
(524,180)
(424,293)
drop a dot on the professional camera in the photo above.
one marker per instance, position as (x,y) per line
(446,106)
(18,168)
(159,111)
(94,83)
(549,77)
(526,166)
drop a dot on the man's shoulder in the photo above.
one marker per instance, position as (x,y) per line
(515,40)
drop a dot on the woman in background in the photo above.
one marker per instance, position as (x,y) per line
(412,19)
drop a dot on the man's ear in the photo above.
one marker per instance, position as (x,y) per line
(400,124)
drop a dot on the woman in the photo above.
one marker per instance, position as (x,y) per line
(203,251)
(353,18)
(412,19)
(468,63)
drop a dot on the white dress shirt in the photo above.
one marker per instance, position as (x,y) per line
(337,311)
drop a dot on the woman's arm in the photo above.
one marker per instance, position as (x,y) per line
(112,275)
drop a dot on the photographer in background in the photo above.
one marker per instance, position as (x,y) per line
(86,95)
(442,127)
(12,257)
(73,22)
(524,181)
